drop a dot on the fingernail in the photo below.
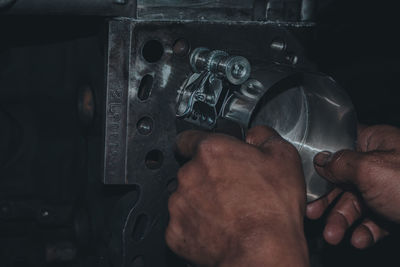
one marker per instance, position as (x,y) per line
(321,159)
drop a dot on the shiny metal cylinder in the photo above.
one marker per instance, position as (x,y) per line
(314,114)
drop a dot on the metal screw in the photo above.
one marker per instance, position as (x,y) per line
(293,59)
(45,213)
(236,69)
(145,126)
(181,47)
(278,46)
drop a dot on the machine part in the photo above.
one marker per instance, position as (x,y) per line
(143,99)
(224,10)
(235,69)
(309,110)
(278,46)
(314,114)
(140,152)
(201,98)
(72,7)
(181,47)
(171,10)
(284,10)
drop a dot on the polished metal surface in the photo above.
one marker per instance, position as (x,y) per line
(236,69)
(314,114)
(309,110)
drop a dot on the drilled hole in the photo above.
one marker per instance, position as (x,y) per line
(138,262)
(154,159)
(139,229)
(145,87)
(152,51)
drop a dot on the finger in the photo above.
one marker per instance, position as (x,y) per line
(342,216)
(259,135)
(367,234)
(174,231)
(189,176)
(188,141)
(379,137)
(317,208)
(360,128)
(341,167)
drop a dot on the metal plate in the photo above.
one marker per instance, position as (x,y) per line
(140,121)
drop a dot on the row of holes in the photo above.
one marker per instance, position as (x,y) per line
(141,223)
(152,52)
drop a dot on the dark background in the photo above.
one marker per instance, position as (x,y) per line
(357,44)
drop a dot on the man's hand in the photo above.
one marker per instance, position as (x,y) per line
(375,172)
(238,204)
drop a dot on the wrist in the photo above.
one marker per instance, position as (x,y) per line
(285,246)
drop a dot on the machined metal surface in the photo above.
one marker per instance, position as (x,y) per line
(223,10)
(147,62)
(70,7)
(309,110)
(168,10)
(314,114)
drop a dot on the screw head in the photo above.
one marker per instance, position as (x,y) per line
(181,47)
(45,213)
(237,70)
(145,126)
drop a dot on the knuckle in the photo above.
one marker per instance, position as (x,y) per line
(351,207)
(340,160)
(372,137)
(185,173)
(286,150)
(211,146)
(171,237)
(174,204)
(259,133)
(363,167)
(290,149)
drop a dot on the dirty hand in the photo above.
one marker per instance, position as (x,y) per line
(374,173)
(238,203)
